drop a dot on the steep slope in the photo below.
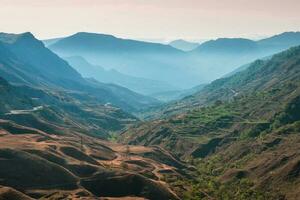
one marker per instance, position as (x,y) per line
(25,60)
(140,59)
(139,85)
(184,45)
(41,60)
(242,132)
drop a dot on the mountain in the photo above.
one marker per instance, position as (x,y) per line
(135,58)
(241,132)
(243,67)
(228,46)
(31,61)
(281,41)
(60,144)
(25,60)
(219,57)
(139,85)
(184,45)
(209,61)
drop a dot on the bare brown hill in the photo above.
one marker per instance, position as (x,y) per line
(74,166)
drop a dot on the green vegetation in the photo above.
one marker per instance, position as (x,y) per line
(241,133)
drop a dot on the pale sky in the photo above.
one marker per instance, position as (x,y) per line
(151,19)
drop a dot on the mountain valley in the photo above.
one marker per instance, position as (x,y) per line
(64,134)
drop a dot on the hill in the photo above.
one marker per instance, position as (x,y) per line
(25,60)
(237,131)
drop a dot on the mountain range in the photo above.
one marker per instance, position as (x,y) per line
(170,66)
(25,60)
(221,56)
(69,131)
(140,59)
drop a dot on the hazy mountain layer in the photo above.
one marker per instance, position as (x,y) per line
(139,85)
(209,61)
(184,45)
(216,58)
(135,58)
(25,60)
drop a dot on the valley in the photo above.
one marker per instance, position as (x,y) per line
(65,134)
(149,100)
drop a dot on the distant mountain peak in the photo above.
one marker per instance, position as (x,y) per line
(179,40)
(230,40)
(227,45)
(87,34)
(11,38)
(26,38)
(289,33)
(287,38)
(184,45)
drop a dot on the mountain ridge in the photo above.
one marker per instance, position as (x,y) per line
(140,59)
(27,61)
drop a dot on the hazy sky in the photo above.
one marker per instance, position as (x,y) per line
(162,19)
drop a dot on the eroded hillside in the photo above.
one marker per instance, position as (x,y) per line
(73,166)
